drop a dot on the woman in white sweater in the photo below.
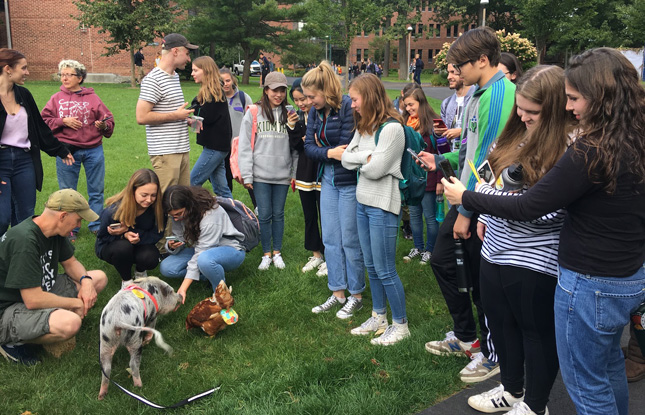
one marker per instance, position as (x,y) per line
(375,151)
(204,243)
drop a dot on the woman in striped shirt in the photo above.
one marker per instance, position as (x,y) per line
(519,259)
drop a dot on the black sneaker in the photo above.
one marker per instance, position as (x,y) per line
(19,354)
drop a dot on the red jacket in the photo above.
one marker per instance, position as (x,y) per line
(85,105)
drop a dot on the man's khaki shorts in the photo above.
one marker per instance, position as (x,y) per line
(19,324)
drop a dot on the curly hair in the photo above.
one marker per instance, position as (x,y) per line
(196,200)
(538,149)
(613,124)
(80,69)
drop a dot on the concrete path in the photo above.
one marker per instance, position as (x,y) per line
(559,401)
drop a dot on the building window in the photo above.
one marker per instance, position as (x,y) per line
(455,31)
(420,53)
(420,29)
(436,52)
(358,54)
(430,55)
(437,31)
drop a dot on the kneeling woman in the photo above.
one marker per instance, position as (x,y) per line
(206,243)
(131,225)
(375,151)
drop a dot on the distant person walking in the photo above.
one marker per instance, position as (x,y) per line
(138,65)
(418,67)
(265,68)
(162,109)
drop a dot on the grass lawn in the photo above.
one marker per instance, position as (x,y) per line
(278,359)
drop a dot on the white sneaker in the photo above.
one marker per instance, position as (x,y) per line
(278,262)
(322,270)
(479,369)
(393,334)
(451,345)
(266,263)
(142,274)
(414,252)
(520,408)
(376,324)
(425,258)
(327,305)
(313,263)
(351,305)
(495,400)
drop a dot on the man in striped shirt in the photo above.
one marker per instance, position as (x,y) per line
(161,108)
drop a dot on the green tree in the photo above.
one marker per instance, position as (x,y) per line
(342,20)
(249,24)
(633,16)
(129,24)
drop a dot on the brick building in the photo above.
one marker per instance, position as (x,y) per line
(427,39)
(45,33)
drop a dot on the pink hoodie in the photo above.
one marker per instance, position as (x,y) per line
(87,107)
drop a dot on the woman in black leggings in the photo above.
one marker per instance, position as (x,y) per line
(131,225)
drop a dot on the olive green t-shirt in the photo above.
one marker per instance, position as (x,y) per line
(29,259)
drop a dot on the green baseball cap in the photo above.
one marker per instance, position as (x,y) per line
(69,200)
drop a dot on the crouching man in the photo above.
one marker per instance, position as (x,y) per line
(38,305)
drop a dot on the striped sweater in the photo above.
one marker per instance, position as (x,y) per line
(532,245)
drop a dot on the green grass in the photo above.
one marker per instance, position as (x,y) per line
(279,358)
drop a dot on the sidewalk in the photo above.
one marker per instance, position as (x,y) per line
(559,401)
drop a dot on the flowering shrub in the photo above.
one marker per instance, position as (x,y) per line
(522,48)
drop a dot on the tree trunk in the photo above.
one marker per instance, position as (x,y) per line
(404,61)
(386,51)
(133,81)
(211,51)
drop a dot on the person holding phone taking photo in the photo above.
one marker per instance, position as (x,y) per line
(131,225)
(600,180)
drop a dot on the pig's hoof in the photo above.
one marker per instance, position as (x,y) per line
(137,383)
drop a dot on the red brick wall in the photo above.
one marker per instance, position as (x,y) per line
(44,31)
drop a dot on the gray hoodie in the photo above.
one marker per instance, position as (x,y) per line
(272,160)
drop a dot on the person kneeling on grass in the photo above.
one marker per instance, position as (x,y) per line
(214,244)
(37,305)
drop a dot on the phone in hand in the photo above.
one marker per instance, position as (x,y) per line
(438,123)
(172,238)
(107,117)
(417,158)
(192,106)
(486,172)
(446,169)
(290,109)
(114,225)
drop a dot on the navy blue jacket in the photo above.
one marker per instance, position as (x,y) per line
(339,130)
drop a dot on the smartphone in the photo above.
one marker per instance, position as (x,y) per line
(114,225)
(290,108)
(417,158)
(486,172)
(109,117)
(438,122)
(191,106)
(446,169)
(172,238)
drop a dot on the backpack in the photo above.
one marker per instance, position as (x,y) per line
(242,97)
(413,184)
(243,219)
(235,145)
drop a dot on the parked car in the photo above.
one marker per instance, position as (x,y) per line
(256,69)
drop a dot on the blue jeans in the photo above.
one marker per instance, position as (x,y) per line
(18,195)
(271,199)
(210,166)
(212,263)
(345,268)
(426,209)
(94,163)
(378,241)
(590,314)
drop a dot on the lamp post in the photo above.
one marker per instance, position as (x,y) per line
(483,4)
(409,46)
(326,38)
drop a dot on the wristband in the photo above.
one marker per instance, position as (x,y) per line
(85,276)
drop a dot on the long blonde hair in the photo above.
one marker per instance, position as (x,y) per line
(323,79)
(376,106)
(538,149)
(126,211)
(211,88)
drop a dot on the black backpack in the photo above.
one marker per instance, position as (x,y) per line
(243,219)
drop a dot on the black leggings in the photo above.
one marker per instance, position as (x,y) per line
(310,201)
(122,254)
(519,305)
